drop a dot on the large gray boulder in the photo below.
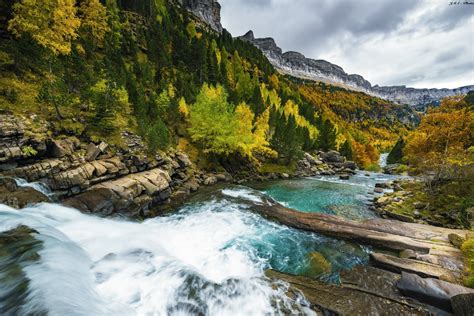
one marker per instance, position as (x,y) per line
(431,291)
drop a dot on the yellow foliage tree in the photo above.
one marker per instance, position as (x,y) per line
(52,24)
(94,20)
(441,143)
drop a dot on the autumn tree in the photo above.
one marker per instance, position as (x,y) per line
(94,20)
(52,24)
(212,123)
(441,144)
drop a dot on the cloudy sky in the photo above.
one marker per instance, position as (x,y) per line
(418,43)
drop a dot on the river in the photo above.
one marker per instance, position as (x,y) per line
(208,258)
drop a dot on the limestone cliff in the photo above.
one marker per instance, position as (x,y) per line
(297,65)
(208,11)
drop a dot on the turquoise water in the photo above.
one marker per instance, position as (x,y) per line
(207,258)
(329,195)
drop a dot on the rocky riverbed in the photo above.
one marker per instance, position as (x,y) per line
(420,274)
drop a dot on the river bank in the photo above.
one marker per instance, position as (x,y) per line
(115,182)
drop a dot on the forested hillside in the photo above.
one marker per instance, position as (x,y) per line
(96,68)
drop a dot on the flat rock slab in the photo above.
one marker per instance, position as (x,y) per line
(339,300)
(389,234)
(399,265)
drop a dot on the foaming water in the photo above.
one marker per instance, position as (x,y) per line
(38,186)
(208,259)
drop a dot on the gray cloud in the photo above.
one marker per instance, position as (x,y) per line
(377,39)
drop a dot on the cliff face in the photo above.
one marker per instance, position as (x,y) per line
(209,11)
(297,65)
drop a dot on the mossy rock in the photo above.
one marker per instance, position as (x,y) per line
(317,265)
(467,249)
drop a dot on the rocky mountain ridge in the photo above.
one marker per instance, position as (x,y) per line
(208,11)
(297,65)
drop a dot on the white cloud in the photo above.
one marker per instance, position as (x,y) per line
(393,42)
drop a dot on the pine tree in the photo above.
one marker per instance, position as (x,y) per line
(396,154)
(257,102)
(346,150)
(327,135)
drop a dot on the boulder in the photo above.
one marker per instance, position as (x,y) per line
(183,160)
(210,180)
(92,152)
(350,165)
(58,148)
(456,240)
(332,156)
(126,195)
(419,205)
(463,304)
(431,291)
(317,265)
(344,176)
(408,254)
(19,197)
(331,299)
(378,190)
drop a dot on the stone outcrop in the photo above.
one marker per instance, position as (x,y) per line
(330,163)
(297,65)
(431,291)
(434,255)
(208,11)
(346,299)
(14,144)
(18,197)
(91,177)
(133,195)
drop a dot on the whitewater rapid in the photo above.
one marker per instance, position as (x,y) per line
(208,258)
(195,262)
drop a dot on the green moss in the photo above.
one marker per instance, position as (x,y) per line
(317,265)
(278,168)
(467,250)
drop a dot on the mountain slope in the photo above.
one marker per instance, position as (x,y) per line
(297,65)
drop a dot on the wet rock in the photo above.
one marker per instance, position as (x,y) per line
(285,175)
(19,197)
(344,177)
(378,190)
(340,300)
(317,265)
(127,195)
(431,291)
